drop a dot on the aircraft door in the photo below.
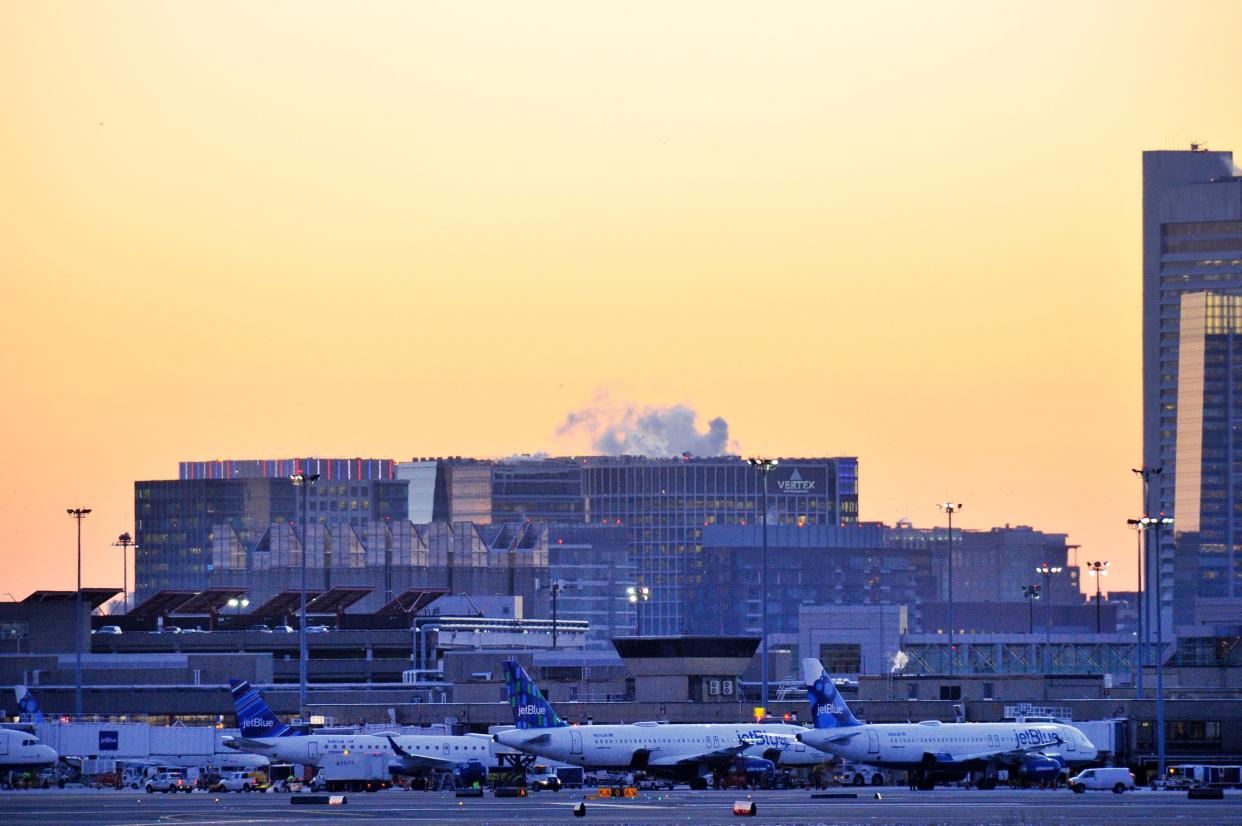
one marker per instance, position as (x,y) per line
(575,741)
(873,742)
(4,744)
(312,750)
(1071,742)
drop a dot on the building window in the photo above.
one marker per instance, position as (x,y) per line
(950,692)
(841,658)
(989,691)
(912,691)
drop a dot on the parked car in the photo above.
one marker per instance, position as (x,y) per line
(316,629)
(282,629)
(239,782)
(108,631)
(1115,779)
(168,782)
(261,628)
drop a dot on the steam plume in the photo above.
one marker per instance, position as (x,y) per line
(647,431)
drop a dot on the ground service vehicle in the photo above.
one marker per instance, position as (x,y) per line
(239,782)
(851,774)
(168,782)
(1116,779)
(352,773)
(543,778)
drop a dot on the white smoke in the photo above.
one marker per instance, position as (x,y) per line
(899,662)
(617,429)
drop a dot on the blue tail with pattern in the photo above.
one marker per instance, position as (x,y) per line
(530,709)
(828,708)
(254,718)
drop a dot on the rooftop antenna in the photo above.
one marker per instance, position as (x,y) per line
(1198,146)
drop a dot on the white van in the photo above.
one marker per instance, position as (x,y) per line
(1117,779)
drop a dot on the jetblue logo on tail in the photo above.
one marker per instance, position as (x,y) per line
(828,708)
(254,718)
(530,709)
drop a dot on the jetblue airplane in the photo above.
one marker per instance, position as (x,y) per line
(936,751)
(20,751)
(261,732)
(685,752)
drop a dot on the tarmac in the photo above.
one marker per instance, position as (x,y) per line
(894,807)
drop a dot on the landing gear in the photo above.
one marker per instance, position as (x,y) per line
(988,783)
(923,782)
(699,784)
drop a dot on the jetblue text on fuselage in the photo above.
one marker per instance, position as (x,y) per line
(1034,736)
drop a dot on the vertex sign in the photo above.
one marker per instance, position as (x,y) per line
(801,481)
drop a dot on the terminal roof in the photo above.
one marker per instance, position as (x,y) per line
(336,600)
(95,597)
(412,601)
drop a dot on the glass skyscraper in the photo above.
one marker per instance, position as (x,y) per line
(1208,497)
(1192,244)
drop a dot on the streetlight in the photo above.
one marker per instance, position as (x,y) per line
(1048,570)
(125,542)
(78,514)
(764,466)
(303,481)
(1144,601)
(1159,523)
(1140,530)
(950,508)
(637,595)
(1031,592)
(1097,570)
(238,604)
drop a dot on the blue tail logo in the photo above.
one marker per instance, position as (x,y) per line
(27,705)
(254,718)
(828,708)
(530,709)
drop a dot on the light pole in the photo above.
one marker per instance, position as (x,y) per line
(78,514)
(1159,523)
(1144,601)
(764,466)
(1031,592)
(950,508)
(125,542)
(1097,570)
(637,595)
(1140,528)
(1048,570)
(303,481)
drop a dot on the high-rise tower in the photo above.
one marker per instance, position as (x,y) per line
(1192,243)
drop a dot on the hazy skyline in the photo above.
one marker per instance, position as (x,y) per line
(908,232)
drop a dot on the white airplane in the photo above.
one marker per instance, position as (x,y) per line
(685,752)
(20,751)
(936,751)
(262,733)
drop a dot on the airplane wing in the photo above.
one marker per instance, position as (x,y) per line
(1012,755)
(720,755)
(246,744)
(420,761)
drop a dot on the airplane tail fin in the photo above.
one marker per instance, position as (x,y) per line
(26,703)
(828,708)
(254,718)
(530,709)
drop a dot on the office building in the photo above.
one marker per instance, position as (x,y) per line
(664,505)
(1207,571)
(1192,243)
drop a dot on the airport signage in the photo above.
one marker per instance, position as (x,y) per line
(109,740)
(798,481)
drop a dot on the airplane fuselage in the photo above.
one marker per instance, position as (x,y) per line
(906,745)
(20,751)
(653,745)
(309,749)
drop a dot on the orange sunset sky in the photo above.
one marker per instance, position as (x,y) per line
(903,231)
